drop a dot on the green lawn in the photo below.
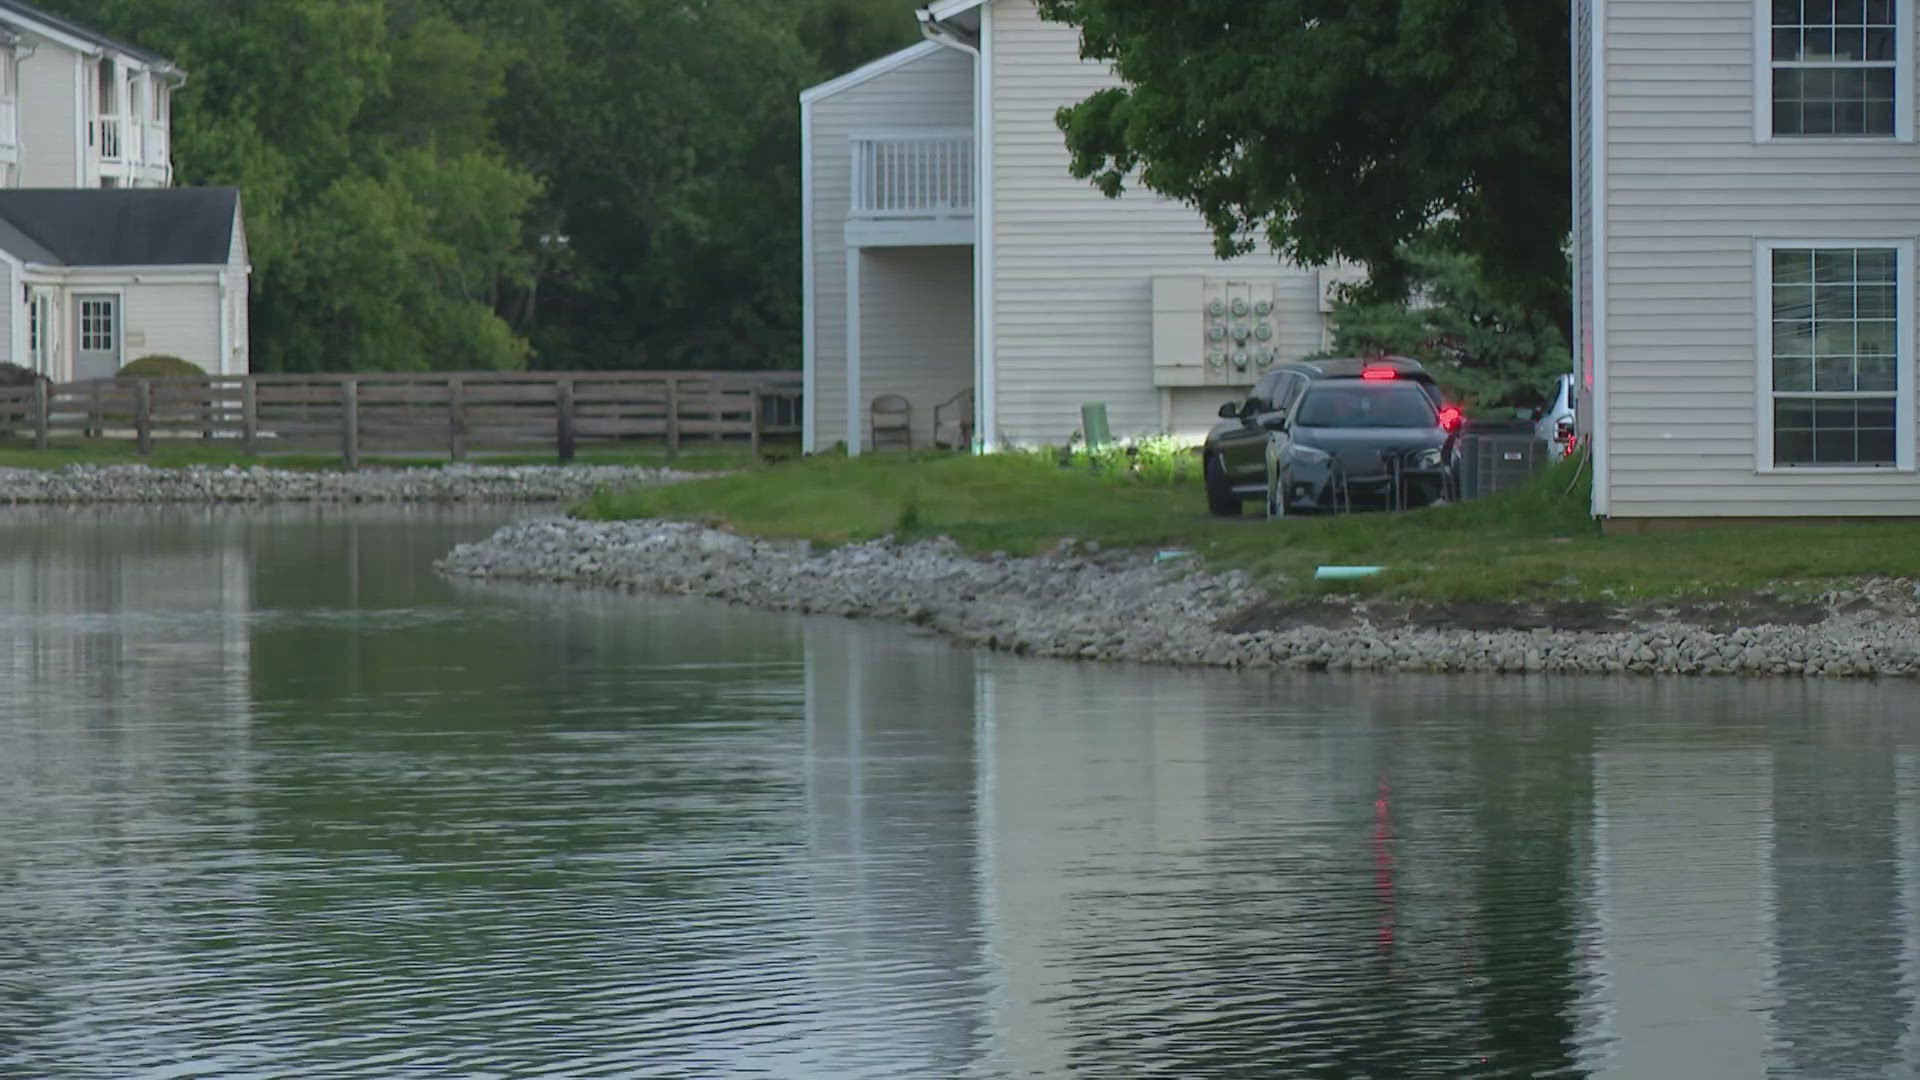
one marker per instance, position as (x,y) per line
(20,454)
(1535,542)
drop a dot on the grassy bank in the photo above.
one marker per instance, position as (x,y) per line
(19,454)
(1535,542)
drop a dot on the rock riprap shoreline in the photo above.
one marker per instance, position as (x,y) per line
(1082,602)
(77,484)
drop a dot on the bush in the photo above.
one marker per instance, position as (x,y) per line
(1156,459)
(15,375)
(158,366)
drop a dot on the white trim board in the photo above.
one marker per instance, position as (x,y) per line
(809,346)
(986,386)
(1601,441)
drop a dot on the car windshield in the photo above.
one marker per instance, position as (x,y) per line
(1367,405)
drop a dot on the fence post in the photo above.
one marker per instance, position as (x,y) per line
(753,423)
(143,415)
(41,408)
(350,422)
(673,417)
(249,416)
(457,418)
(563,405)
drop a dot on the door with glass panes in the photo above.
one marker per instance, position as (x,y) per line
(96,339)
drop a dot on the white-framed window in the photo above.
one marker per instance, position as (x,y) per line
(1836,359)
(1835,69)
(96,325)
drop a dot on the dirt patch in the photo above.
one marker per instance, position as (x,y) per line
(1716,616)
(1292,614)
(1726,616)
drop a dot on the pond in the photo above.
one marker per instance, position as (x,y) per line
(277,800)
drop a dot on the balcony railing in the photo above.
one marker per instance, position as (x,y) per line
(106,136)
(919,174)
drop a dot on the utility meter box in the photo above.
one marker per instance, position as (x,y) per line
(1213,331)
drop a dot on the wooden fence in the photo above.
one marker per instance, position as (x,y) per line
(450,412)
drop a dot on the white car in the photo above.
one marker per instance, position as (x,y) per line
(1556,425)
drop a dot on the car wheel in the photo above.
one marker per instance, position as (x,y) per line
(1220,497)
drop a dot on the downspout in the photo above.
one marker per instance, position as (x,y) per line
(956,37)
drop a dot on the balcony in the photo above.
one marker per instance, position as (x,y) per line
(912,188)
(131,152)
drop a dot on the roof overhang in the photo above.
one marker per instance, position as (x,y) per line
(874,70)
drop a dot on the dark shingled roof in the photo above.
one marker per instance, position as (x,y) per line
(120,226)
(68,26)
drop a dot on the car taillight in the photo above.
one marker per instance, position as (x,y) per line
(1451,418)
(1376,373)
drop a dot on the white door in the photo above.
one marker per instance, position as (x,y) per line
(96,352)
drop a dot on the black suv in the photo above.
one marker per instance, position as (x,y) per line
(1332,434)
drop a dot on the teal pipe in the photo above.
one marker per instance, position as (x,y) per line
(1345,573)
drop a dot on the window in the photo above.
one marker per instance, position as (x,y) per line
(159,103)
(1836,358)
(1364,405)
(96,326)
(1835,68)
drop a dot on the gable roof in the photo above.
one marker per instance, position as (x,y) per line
(119,226)
(11,10)
(874,70)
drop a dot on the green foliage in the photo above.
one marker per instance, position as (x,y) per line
(1341,130)
(1536,542)
(459,183)
(161,366)
(1160,461)
(1484,348)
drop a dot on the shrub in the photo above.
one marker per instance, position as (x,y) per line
(15,375)
(158,366)
(1156,459)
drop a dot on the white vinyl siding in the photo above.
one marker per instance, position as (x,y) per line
(1073,270)
(51,127)
(1689,193)
(173,319)
(934,91)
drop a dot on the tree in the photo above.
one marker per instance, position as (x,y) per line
(1486,349)
(1332,129)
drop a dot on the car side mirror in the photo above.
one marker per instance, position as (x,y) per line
(1229,411)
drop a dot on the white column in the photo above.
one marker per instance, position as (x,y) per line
(854,410)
